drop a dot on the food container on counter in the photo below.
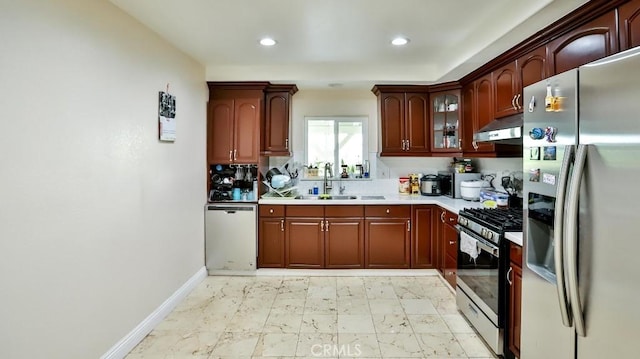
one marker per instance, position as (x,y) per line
(493,199)
(404,185)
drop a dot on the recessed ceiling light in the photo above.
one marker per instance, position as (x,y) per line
(399,41)
(267,41)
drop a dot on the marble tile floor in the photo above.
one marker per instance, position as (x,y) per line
(315,317)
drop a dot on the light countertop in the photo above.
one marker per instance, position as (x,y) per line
(515,237)
(450,204)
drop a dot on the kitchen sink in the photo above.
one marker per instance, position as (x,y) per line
(326,198)
(372,197)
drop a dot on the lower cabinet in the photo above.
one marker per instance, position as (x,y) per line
(321,237)
(271,236)
(446,236)
(351,236)
(344,243)
(514,279)
(304,243)
(387,233)
(423,248)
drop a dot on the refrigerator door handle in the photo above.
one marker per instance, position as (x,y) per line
(558,241)
(571,235)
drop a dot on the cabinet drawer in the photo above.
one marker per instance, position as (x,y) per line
(451,247)
(305,211)
(344,211)
(451,218)
(271,211)
(388,211)
(515,254)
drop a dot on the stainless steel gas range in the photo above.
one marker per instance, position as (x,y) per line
(483,258)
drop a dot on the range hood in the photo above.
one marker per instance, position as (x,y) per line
(507,130)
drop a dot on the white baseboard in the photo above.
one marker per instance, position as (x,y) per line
(124,346)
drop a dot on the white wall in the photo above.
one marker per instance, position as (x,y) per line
(99,221)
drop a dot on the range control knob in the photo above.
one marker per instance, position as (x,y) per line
(483,232)
(489,235)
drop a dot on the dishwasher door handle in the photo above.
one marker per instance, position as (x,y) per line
(230,209)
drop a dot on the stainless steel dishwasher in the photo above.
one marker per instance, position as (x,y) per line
(230,237)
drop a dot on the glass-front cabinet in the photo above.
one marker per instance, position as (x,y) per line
(445,119)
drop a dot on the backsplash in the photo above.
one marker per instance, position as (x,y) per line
(385,172)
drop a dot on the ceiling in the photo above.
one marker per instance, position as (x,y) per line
(344,43)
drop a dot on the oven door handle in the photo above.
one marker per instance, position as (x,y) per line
(482,243)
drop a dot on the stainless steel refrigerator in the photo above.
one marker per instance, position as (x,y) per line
(581,280)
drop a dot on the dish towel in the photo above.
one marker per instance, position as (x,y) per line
(469,245)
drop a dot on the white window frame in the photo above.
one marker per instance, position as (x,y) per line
(364,120)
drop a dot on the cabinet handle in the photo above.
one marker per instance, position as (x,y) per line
(452,242)
(508,275)
(388,211)
(321,226)
(235,154)
(518,101)
(452,219)
(460,144)
(404,148)
(326,228)
(409,226)
(286,143)
(230,156)
(475,145)
(282,225)
(442,217)
(513,102)
(452,273)
(271,210)
(408,145)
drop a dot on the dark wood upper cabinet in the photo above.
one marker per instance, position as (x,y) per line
(404,120)
(468,112)
(506,91)
(446,124)
(589,42)
(417,122)
(246,131)
(220,131)
(531,68)
(484,111)
(234,117)
(629,18)
(277,120)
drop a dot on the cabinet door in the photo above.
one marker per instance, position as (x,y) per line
(392,109)
(505,90)
(417,122)
(422,244)
(387,243)
(591,41)
(629,17)
(445,121)
(468,112)
(344,243)
(532,68)
(515,310)
(450,270)
(220,131)
(246,137)
(450,237)
(304,243)
(276,129)
(271,243)
(484,110)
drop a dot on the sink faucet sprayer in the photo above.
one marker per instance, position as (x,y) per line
(326,186)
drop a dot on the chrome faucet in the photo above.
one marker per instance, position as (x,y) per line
(326,185)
